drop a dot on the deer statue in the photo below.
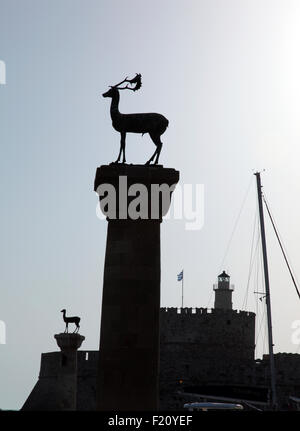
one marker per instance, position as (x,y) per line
(68,320)
(154,124)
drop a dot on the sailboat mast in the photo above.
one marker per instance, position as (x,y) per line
(267,286)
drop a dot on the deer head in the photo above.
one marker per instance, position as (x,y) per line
(137,80)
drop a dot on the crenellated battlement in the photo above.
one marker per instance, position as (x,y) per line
(200,311)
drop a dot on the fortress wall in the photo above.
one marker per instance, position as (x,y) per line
(87,362)
(50,363)
(200,346)
(197,345)
(287,367)
(215,332)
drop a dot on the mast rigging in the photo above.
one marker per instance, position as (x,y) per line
(267,286)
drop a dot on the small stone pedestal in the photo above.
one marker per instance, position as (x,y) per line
(67,373)
(128,372)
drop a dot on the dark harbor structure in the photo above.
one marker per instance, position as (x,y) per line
(152,358)
(205,354)
(57,387)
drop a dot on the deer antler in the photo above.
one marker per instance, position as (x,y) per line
(136,80)
(124,80)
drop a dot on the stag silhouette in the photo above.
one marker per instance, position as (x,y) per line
(152,123)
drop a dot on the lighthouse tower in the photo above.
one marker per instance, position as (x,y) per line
(223,292)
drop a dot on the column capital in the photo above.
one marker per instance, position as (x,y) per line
(135,192)
(69,342)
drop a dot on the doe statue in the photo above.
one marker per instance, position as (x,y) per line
(152,123)
(73,319)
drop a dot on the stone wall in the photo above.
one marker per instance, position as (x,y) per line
(287,371)
(198,347)
(86,381)
(201,346)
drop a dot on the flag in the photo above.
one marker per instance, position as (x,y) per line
(180,276)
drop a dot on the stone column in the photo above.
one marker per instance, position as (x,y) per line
(128,369)
(67,373)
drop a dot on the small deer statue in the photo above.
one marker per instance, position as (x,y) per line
(68,320)
(154,124)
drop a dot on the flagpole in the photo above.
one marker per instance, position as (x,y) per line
(182,291)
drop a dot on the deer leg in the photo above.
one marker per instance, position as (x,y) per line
(120,152)
(157,142)
(151,158)
(123,136)
(158,153)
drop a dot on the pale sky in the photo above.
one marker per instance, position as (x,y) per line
(226,75)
